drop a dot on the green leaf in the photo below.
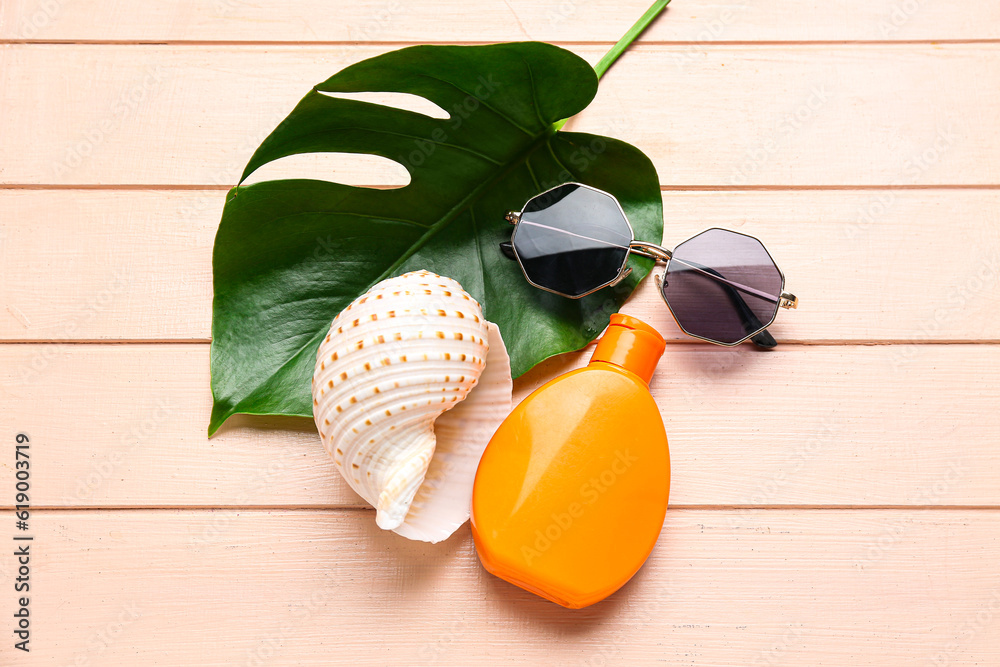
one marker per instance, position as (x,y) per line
(291,254)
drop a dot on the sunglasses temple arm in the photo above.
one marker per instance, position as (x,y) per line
(507,248)
(750,320)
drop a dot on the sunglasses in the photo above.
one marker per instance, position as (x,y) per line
(721,286)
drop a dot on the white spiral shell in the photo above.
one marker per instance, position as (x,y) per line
(396,358)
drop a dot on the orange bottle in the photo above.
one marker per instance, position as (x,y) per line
(572,489)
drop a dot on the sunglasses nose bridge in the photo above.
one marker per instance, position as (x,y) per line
(650,250)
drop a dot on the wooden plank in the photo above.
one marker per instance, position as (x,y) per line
(869,266)
(793,115)
(495,20)
(311,588)
(124,426)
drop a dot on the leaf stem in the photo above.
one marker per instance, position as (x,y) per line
(611,56)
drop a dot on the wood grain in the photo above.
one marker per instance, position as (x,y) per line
(907,265)
(832,503)
(124,426)
(703,22)
(315,588)
(791,115)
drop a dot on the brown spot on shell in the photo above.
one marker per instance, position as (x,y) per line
(387,413)
(374,317)
(368,366)
(343,376)
(334,356)
(440,334)
(331,384)
(391,313)
(459,336)
(381,339)
(368,422)
(447,355)
(326,421)
(442,313)
(354,399)
(361,344)
(340,452)
(460,314)
(355,465)
(377,390)
(446,292)
(397,336)
(403,358)
(340,409)
(463,357)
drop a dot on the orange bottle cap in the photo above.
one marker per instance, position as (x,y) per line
(631,344)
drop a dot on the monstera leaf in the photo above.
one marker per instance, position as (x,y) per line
(291,254)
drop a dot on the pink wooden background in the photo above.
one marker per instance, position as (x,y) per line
(835,502)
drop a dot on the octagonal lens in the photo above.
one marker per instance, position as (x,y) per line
(572,240)
(722,286)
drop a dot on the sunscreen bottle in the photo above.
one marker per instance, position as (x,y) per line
(571,492)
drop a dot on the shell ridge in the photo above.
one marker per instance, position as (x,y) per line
(395,361)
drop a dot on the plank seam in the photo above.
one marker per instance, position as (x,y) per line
(404,43)
(802,342)
(156,187)
(359,508)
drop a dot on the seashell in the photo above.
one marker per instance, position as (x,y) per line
(410,384)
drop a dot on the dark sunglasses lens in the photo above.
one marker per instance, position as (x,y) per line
(572,240)
(722,286)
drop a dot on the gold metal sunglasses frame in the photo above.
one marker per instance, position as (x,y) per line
(660,254)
